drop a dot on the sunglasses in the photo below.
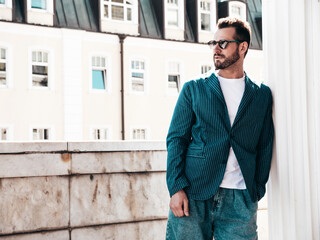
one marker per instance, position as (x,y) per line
(222,43)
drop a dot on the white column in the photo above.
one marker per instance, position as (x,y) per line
(291,37)
(72,84)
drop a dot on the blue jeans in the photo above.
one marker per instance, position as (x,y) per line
(229,215)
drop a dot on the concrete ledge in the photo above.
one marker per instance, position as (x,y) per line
(116,146)
(26,165)
(27,147)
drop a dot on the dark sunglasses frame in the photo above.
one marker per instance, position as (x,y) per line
(222,43)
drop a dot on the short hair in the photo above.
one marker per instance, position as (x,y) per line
(243,29)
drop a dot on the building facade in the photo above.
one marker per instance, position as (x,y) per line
(106,69)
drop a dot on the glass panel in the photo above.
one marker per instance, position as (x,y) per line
(40,4)
(98,61)
(129,14)
(3,134)
(173,17)
(98,79)
(40,76)
(205,21)
(2,1)
(39,56)
(173,2)
(2,66)
(236,10)
(45,134)
(129,2)
(93,61)
(117,1)
(173,67)
(137,85)
(137,75)
(3,81)
(45,57)
(173,81)
(3,53)
(205,6)
(35,134)
(42,70)
(106,11)
(117,13)
(103,62)
(34,56)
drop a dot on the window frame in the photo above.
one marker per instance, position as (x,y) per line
(49,8)
(146,134)
(6,4)
(145,75)
(50,68)
(6,61)
(170,91)
(99,127)
(107,75)
(49,127)
(9,133)
(213,15)
(180,8)
(109,3)
(243,7)
(206,65)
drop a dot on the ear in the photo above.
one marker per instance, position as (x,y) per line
(243,47)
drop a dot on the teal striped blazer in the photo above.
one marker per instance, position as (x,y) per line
(200,136)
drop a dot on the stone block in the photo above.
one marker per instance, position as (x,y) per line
(23,165)
(116,146)
(148,230)
(34,203)
(60,235)
(114,198)
(26,147)
(107,162)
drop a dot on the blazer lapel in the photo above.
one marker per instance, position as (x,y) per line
(249,92)
(213,82)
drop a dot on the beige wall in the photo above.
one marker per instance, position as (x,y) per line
(25,107)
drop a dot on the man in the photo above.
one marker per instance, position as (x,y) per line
(220,146)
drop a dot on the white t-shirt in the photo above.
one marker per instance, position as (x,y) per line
(232,90)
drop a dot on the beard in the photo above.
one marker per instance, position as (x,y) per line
(228,61)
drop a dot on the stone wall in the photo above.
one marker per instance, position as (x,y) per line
(84,190)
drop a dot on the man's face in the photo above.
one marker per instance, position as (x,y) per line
(223,58)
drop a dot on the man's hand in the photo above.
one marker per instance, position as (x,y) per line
(179,204)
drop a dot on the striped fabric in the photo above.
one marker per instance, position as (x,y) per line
(200,137)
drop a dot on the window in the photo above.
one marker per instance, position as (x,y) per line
(137,76)
(39,69)
(4,134)
(139,134)
(39,4)
(100,134)
(3,67)
(205,12)
(120,10)
(2,2)
(205,68)
(99,73)
(174,77)
(173,13)
(238,9)
(40,133)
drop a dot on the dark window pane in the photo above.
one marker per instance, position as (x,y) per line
(137,75)
(41,70)
(2,67)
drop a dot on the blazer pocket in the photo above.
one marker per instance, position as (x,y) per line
(195,152)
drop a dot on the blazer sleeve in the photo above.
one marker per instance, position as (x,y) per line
(178,139)
(264,153)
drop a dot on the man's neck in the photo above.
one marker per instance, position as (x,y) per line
(234,71)
(232,74)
